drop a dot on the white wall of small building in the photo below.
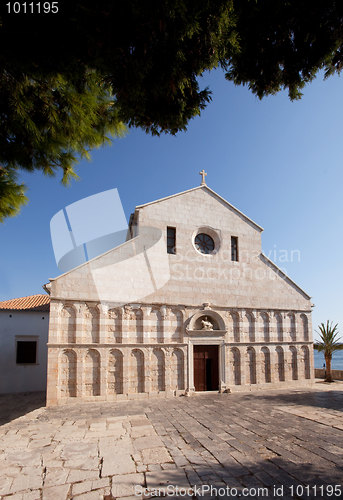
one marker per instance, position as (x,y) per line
(23,325)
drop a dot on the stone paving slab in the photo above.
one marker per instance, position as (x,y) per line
(271,444)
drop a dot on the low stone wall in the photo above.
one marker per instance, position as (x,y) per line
(336,374)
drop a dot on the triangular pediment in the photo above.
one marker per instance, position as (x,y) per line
(214,195)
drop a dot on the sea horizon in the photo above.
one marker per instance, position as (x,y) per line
(336,363)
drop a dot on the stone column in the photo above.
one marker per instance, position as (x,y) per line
(159,327)
(228,368)
(272,327)
(288,364)
(274,376)
(147,325)
(126,369)
(266,332)
(126,325)
(243,326)
(278,321)
(147,369)
(299,328)
(103,371)
(243,330)
(167,369)
(229,334)
(258,327)
(298,367)
(285,327)
(80,369)
(165,315)
(147,374)
(295,327)
(190,368)
(222,368)
(259,356)
(103,324)
(290,327)
(243,363)
(182,337)
(184,368)
(79,319)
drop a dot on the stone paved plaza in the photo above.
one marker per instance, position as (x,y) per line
(274,444)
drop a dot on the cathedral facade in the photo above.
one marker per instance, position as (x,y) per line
(188,303)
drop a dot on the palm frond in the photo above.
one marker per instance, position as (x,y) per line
(329,340)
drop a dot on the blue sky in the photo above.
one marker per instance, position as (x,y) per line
(278,162)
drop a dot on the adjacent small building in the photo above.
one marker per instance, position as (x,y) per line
(188,303)
(24,325)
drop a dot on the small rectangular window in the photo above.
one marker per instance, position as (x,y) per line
(26,352)
(171,240)
(234,248)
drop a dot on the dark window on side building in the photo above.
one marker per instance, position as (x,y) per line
(26,352)
(171,240)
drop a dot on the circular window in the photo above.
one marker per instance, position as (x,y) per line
(206,240)
(204,243)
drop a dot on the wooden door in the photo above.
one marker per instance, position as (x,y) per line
(206,376)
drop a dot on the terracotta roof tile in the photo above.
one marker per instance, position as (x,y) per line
(31,303)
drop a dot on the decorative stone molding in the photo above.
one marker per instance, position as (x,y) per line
(164,312)
(128,312)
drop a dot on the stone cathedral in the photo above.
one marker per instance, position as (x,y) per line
(188,303)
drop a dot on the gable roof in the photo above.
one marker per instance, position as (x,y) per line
(38,302)
(283,275)
(205,187)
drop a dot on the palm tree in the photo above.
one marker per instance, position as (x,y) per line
(328,344)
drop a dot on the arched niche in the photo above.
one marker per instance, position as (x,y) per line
(208,316)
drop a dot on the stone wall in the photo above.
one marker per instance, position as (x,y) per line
(251,282)
(135,351)
(336,374)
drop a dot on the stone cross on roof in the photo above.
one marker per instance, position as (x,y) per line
(203,173)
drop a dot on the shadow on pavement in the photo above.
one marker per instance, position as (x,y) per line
(13,406)
(329,399)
